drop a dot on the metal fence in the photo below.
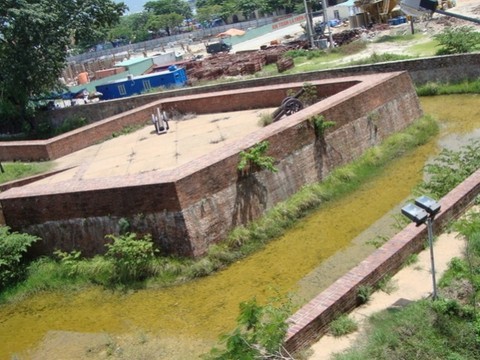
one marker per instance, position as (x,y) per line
(170,41)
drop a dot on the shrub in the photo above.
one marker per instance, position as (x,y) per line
(449,169)
(343,325)
(265,119)
(259,334)
(13,247)
(364,294)
(458,40)
(321,124)
(256,158)
(130,256)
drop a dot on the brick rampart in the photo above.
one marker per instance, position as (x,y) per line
(443,69)
(312,320)
(194,205)
(220,101)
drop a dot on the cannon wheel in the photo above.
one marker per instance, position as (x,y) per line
(288,98)
(292,106)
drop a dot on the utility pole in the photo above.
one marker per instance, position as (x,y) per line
(309,24)
(325,20)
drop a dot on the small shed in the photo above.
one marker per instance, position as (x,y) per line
(133,85)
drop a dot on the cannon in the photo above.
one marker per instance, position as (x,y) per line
(289,106)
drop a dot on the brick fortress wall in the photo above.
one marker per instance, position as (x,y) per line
(188,208)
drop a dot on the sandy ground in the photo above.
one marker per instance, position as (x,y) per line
(412,283)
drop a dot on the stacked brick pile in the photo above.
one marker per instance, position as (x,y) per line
(284,64)
(225,64)
(347,36)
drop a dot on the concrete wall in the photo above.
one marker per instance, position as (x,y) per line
(194,205)
(441,69)
(312,320)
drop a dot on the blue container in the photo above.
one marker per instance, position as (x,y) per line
(172,77)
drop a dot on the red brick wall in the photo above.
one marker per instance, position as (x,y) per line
(188,208)
(312,320)
(252,98)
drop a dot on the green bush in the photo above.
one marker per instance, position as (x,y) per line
(321,124)
(364,294)
(458,40)
(13,247)
(130,256)
(255,158)
(449,169)
(342,325)
(259,334)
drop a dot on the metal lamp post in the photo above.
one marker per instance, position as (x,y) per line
(424,210)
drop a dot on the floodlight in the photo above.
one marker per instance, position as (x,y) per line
(424,210)
(415,213)
(428,204)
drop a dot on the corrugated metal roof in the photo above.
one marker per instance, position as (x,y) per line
(133,61)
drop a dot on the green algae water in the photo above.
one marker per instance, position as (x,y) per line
(197,312)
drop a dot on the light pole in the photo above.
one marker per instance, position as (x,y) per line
(424,210)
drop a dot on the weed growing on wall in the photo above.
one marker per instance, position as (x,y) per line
(255,158)
(320,124)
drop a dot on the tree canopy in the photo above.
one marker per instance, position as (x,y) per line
(167,14)
(34,39)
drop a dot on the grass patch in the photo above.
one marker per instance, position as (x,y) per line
(396,38)
(343,325)
(127,130)
(428,48)
(19,170)
(400,335)
(463,87)
(387,285)
(378,58)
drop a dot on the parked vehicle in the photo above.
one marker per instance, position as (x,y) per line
(216,47)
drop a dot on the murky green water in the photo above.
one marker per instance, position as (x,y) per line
(207,307)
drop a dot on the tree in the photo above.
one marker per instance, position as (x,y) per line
(166,21)
(34,38)
(164,7)
(133,27)
(247,7)
(208,13)
(170,13)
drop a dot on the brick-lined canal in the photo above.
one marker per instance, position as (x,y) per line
(188,318)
